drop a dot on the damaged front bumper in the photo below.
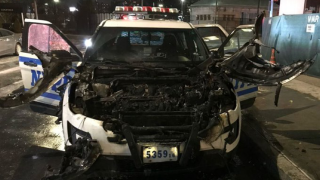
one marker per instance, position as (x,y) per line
(109,158)
(77,159)
(84,159)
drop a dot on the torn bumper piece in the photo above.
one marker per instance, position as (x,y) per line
(77,159)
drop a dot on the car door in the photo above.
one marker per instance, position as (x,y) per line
(247,92)
(214,36)
(5,41)
(8,39)
(47,38)
(2,45)
(246,64)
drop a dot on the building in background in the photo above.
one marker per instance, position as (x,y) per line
(228,13)
(312,6)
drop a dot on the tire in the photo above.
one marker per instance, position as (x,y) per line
(17,49)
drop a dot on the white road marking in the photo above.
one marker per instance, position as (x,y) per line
(303,87)
(12,59)
(10,70)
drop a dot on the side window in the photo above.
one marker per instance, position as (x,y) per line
(5,33)
(44,38)
(195,45)
(212,36)
(238,39)
(156,38)
(10,33)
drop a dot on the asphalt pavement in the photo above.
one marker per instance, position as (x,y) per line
(293,128)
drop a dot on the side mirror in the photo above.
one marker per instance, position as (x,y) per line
(217,53)
(195,56)
(214,53)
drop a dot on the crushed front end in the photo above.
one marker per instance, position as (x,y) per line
(147,125)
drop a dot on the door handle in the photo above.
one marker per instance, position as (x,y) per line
(32,64)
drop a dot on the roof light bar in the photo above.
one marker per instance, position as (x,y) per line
(156,9)
(142,8)
(165,10)
(145,9)
(124,8)
(173,10)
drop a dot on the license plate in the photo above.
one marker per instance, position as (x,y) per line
(154,154)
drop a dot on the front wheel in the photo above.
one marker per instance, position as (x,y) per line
(17,49)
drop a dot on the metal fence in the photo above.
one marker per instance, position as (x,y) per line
(297,37)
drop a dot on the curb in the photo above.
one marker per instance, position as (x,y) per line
(277,163)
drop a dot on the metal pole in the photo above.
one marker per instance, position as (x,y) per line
(141,2)
(22,17)
(271,9)
(182,8)
(215,18)
(36,8)
(258,10)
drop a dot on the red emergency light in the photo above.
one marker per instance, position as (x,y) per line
(165,10)
(127,17)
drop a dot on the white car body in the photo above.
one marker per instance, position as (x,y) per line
(79,126)
(31,75)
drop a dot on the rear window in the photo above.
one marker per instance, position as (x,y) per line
(144,37)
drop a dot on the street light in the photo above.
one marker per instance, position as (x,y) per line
(73,9)
(56,1)
(182,7)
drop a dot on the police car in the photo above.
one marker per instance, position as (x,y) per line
(147,96)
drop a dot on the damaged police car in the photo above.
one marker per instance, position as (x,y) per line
(146,97)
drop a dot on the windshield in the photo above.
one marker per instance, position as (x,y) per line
(132,45)
(212,36)
(237,39)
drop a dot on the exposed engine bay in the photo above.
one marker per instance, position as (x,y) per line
(144,101)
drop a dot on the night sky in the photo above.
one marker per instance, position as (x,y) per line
(146,2)
(73,2)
